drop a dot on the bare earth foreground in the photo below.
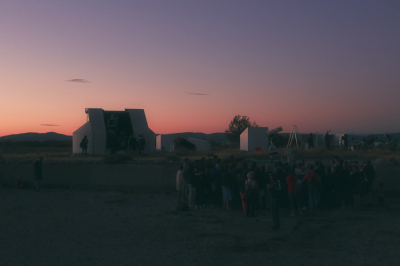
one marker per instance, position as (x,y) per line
(70,227)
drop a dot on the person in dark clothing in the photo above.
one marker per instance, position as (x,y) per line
(37,168)
(141,144)
(190,179)
(327,143)
(132,144)
(324,185)
(301,187)
(291,181)
(227,183)
(369,175)
(215,173)
(344,140)
(281,176)
(199,184)
(84,144)
(241,179)
(209,195)
(251,198)
(275,188)
(310,141)
(312,180)
(262,186)
(344,184)
(356,181)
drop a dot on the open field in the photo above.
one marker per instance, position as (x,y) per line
(65,155)
(67,225)
(72,227)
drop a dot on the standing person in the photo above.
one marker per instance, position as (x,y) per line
(132,143)
(268,172)
(190,179)
(327,143)
(141,144)
(320,171)
(186,164)
(312,180)
(227,184)
(180,183)
(275,189)
(215,173)
(344,184)
(241,182)
(251,188)
(84,144)
(356,181)
(291,181)
(310,141)
(37,168)
(262,186)
(369,174)
(281,176)
(301,187)
(335,173)
(199,184)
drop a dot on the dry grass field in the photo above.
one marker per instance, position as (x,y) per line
(65,155)
(69,227)
(77,227)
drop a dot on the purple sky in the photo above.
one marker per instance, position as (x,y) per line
(194,65)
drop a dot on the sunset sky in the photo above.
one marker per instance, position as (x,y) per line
(194,65)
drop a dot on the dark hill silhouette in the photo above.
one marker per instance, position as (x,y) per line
(52,136)
(41,137)
(213,137)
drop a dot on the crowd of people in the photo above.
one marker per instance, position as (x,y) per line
(300,188)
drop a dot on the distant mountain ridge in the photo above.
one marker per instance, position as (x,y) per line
(213,137)
(52,136)
(41,137)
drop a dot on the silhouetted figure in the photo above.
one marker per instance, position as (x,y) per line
(275,189)
(84,144)
(310,141)
(327,143)
(369,175)
(344,139)
(37,168)
(141,144)
(132,144)
(251,188)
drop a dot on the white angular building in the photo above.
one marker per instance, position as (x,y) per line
(164,142)
(109,131)
(254,139)
(201,145)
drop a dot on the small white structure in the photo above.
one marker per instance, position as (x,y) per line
(254,139)
(164,142)
(109,131)
(319,140)
(201,145)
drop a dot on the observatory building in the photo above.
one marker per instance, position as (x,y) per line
(254,139)
(110,131)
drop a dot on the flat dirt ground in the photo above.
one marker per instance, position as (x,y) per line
(71,227)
